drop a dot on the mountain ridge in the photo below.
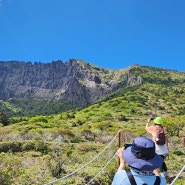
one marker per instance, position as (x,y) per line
(76,82)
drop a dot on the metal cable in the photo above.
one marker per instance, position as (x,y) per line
(76,171)
(183,168)
(101,169)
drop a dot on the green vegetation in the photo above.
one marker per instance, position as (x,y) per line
(41,148)
(30,107)
(4,119)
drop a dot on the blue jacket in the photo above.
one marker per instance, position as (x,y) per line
(121,178)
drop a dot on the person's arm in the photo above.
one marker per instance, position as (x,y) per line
(122,162)
(151,129)
(166,136)
(148,122)
(156,172)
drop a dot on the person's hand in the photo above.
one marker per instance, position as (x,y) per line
(147,123)
(156,172)
(121,160)
(149,120)
(119,152)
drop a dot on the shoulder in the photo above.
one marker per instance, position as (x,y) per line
(120,178)
(151,129)
(150,179)
(163,181)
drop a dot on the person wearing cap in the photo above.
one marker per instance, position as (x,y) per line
(142,160)
(161,150)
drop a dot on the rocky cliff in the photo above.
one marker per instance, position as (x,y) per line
(77,82)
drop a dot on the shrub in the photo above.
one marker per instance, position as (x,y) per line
(86,147)
(178,152)
(38,119)
(28,145)
(4,119)
(102,125)
(11,168)
(13,146)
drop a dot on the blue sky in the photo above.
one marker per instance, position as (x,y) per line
(112,34)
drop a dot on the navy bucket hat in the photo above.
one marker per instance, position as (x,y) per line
(141,155)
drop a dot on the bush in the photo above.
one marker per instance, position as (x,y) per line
(28,145)
(86,147)
(178,152)
(18,146)
(102,125)
(13,146)
(11,168)
(4,119)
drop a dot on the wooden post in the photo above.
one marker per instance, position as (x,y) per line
(119,144)
(166,138)
(184,141)
(119,138)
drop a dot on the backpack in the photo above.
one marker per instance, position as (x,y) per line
(161,138)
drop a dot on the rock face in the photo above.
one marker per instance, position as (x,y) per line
(77,82)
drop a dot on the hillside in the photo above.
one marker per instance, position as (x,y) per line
(32,89)
(39,149)
(75,81)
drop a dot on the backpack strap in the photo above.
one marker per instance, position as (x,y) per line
(133,182)
(131,177)
(157,180)
(162,129)
(158,132)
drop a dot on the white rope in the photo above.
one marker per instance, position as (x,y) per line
(183,168)
(101,169)
(76,171)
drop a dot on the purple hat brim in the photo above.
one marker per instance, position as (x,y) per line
(145,165)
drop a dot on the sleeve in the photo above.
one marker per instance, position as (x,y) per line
(120,178)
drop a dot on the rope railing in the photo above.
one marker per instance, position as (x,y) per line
(104,167)
(101,169)
(78,170)
(178,175)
